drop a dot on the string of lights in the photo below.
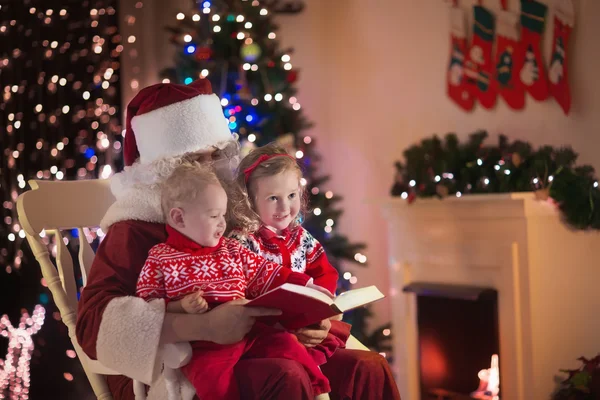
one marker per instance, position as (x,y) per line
(14,375)
(61,120)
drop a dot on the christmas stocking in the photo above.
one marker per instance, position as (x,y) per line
(508,49)
(557,73)
(456,84)
(532,72)
(479,66)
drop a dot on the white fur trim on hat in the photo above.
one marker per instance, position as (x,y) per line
(184,127)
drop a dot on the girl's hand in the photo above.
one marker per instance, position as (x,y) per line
(194,303)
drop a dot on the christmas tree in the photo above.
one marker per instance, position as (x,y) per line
(59,76)
(233,43)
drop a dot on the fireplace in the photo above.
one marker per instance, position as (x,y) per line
(457,328)
(545,276)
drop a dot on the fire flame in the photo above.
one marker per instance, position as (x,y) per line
(489,382)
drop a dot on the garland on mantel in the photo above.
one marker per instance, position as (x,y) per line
(446,167)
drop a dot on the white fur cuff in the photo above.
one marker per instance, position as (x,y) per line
(183,389)
(129,336)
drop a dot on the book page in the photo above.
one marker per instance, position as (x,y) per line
(357,297)
(305,291)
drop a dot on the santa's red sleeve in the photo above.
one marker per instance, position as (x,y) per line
(113,326)
(264,275)
(318,266)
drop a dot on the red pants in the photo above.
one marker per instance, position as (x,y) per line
(353,375)
(360,375)
(211,369)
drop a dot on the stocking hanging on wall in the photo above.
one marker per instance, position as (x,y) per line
(508,51)
(532,74)
(479,67)
(455,79)
(557,73)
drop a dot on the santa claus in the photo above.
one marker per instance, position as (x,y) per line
(168,124)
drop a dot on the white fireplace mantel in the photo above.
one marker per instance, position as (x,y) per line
(547,277)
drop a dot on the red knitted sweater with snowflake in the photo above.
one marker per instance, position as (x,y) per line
(225,272)
(296,249)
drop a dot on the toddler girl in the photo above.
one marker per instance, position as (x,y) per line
(269,179)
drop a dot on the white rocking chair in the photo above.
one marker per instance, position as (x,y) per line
(52,206)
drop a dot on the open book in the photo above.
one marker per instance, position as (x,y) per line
(302,306)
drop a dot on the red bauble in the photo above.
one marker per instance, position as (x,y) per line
(203,53)
(292,76)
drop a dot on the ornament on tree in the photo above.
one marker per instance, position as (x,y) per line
(456,84)
(479,67)
(557,73)
(203,53)
(250,52)
(508,47)
(292,76)
(532,73)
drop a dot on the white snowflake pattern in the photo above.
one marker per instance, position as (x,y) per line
(175,273)
(299,264)
(205,269)
(308,242)
(252,246)
(230,267)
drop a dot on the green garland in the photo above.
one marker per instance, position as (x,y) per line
(582,383)
(445,167)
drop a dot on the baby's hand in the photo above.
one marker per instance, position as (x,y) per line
(194,303)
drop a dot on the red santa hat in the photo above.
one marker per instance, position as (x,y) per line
(168,120)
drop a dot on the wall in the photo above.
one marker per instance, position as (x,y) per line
(384,87)
(372,78)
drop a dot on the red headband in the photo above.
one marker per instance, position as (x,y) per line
(260,160)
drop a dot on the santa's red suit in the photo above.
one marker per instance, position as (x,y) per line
(123,331)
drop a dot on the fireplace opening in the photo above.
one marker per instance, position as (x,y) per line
(458,336)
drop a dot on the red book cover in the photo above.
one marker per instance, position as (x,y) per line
(302,306)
